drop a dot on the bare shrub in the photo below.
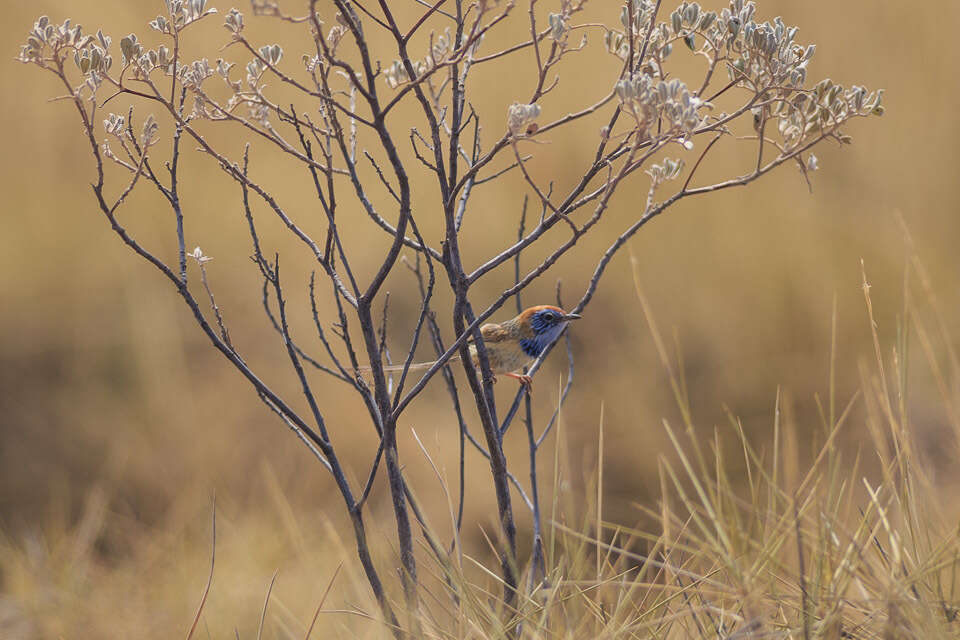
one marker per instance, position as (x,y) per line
(656,123)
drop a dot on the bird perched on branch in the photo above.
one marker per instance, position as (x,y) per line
(513,344)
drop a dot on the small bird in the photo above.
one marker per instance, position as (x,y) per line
(513,344)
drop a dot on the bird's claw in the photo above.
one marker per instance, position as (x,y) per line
(524,380)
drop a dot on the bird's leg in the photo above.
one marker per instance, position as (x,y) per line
(524,379)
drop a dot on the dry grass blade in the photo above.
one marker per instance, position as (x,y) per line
(266,602)
(213,559)
(323,599)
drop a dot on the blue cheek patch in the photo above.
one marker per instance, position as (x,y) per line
(540,322)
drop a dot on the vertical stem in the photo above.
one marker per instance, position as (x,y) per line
(538,566)
(174,196)
(363,552)
(394,475)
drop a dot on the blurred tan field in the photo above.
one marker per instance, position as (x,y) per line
(119,423)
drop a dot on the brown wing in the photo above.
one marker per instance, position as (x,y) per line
(492,333)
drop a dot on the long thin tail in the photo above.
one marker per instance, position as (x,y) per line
(416,366)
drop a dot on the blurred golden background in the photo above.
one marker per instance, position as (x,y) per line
(119,422)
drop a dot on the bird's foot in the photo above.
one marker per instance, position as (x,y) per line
(524,379)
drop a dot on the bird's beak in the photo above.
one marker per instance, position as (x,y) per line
(572,316)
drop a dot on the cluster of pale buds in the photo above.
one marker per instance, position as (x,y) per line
(651,100)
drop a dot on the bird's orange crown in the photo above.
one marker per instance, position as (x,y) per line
(525,315)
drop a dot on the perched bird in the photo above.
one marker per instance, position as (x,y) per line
(515,343)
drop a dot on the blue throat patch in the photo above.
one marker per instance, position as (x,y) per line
(532,347)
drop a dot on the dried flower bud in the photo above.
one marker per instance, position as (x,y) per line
(149,133)
(558,27)
(130,48)
(161,24)
(114,125)
(335,36)
(271,53)
(197,254)
(234,22)
(193,75)
(521,116)
(660,173)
